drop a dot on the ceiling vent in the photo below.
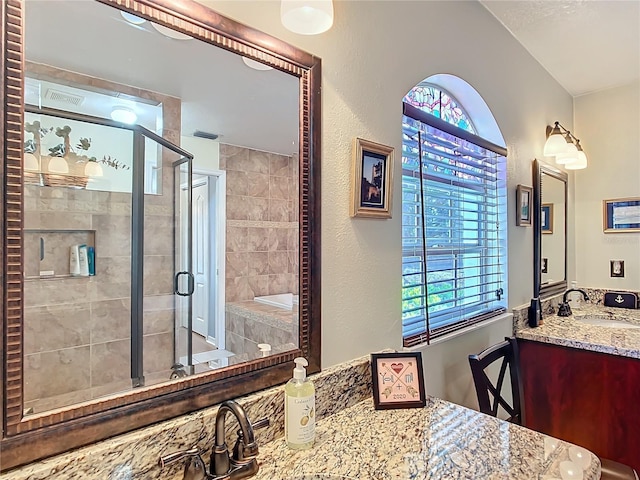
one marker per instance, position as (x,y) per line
(207,135)
(64,97)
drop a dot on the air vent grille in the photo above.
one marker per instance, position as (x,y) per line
(64,97)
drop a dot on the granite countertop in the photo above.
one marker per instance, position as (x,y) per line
(569,332)
(439,441)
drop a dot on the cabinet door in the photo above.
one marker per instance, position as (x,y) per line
(587,398)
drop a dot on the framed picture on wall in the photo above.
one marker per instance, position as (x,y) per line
(398,380)
(621,215)
(372,179)
(546,217)
(523,205)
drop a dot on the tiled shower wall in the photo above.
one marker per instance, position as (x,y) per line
(262,223)
(77,330)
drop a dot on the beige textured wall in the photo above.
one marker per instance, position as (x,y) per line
(609,123)
(374,53)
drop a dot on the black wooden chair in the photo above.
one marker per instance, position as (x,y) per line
(507,352)
(490,395)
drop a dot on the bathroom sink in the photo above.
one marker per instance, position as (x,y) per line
(602,321)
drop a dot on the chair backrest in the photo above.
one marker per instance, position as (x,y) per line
(487,391)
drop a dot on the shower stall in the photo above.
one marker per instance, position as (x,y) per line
(107,258)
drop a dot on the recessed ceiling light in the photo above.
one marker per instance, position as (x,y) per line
(132,18)
(124,115)
(255,65)
(167,32)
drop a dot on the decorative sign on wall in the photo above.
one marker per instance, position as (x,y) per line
(398,380)
(621,215)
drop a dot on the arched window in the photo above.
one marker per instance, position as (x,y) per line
(435,101)
(454,251)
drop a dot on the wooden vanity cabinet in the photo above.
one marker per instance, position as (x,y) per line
(587,398)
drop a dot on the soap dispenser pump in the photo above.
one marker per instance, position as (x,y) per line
(299,408)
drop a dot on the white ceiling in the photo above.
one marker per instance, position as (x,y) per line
(586,45)
(219,93)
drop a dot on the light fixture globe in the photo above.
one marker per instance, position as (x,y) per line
(31,163)
(93,169)
(566,158)
(58,165)
(581,161)
(307,17)
(556,142)
(124,115)
(129,17)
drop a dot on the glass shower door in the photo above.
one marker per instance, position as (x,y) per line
(183,280)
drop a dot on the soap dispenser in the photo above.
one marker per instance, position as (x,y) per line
(299,408)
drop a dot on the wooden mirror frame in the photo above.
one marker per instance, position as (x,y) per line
(67,428)
(539,169)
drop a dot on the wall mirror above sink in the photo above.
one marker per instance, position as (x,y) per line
(550,194)
(134,248)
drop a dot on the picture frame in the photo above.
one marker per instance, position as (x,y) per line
(546,217)
(398,380)
(372,179)
(616,268)
(524,205)
(621,215)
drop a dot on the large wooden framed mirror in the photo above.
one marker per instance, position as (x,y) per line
(157,265)
(550,198)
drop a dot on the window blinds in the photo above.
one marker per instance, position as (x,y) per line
(453,228)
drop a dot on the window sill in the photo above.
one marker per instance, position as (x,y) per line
(463,331)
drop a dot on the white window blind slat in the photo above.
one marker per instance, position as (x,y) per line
(454,251)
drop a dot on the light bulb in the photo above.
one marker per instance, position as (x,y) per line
(307,17)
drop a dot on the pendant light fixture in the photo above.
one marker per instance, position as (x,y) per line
(307,17)
(565,147)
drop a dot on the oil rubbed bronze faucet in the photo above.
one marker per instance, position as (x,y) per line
(243,463)
(240,464)
(564,310)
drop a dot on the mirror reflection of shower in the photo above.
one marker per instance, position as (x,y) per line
(222,229)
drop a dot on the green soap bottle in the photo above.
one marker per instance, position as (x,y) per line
(299,408)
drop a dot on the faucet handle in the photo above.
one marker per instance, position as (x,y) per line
(243,452)
(174,457)
(194,468)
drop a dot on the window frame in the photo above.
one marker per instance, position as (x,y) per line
(419,329)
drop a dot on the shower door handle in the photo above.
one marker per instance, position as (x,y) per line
(190,284)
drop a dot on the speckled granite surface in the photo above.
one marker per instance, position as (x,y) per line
(441,441)
(135,455)
(570,332)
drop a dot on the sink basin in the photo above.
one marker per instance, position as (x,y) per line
(601,321)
